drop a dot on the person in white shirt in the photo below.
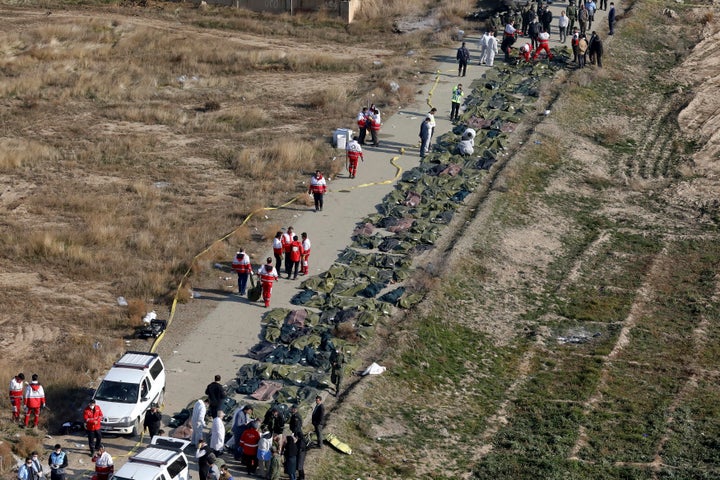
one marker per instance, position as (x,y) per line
(217,434)
(198,420)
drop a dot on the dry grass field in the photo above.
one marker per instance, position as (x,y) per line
(133,137)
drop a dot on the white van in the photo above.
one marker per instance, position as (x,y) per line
(164,459)
(134,382)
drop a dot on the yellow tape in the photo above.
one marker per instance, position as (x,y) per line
(432,89)
(173,308)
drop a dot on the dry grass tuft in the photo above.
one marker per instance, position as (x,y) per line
(21,152)
(136,310)
(26,444)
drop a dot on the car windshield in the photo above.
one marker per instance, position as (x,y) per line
(117,392)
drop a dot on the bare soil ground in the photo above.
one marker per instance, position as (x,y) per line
(660,187)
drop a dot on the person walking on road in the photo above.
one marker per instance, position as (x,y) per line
(354,154)
(455,101)
(216,395)
(34,400)
(296,254)
(318,418)
(277,247)
(93,416)
(268,275)
(241,265)
(463,57)
(306,246)
(198,420)
(17,387)
(318,187)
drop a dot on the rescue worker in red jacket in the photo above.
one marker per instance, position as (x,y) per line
(543,44)
(93,418)
(525,51)
(34,400)
(318,187)
(268,275)
(17,386)
(296,252)
(241,265)
(286,240)
(306,254)
(354,154)
(249,440)
(104,465)
(362,124)
(374,124)
(277,247)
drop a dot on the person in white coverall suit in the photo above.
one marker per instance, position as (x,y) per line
(491,50)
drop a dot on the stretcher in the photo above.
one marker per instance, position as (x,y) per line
(255,291)
(337,444)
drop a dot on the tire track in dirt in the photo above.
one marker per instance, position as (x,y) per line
(654,156)
(643,296)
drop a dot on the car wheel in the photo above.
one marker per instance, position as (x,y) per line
(136,428)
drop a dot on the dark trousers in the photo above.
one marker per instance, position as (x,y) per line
(293,266)
(278,261)
(94,439)
(462,68)
(242,282)
(454,111)
(361,136)
(318,197)
(373,135)
(318,434)
(288,262)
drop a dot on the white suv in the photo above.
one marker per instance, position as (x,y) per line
(162,460)
(134,382)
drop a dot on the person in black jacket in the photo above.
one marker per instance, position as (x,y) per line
(296,421)
(318,418)
(301,452)
(216,394)
(291,452)
(463,57)
(153,420)
(595,49)
(276,424)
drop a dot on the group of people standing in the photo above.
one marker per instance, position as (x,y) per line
(369,119)
(265,446)
(27,396)
(535,22)
(287,248)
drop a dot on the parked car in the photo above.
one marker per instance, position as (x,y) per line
(163,459)
(134,382)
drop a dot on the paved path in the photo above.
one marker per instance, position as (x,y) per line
(220,341)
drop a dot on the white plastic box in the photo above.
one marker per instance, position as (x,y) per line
(341,137)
